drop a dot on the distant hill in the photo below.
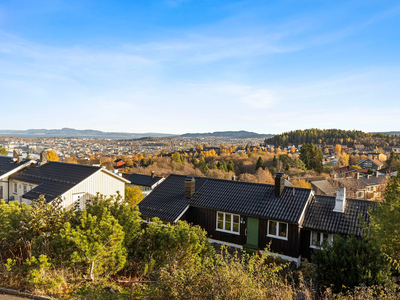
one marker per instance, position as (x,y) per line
(87,133)
(242,134)
(389,132)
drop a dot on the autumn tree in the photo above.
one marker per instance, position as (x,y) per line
(3,151)
(301,183)
(343,159)
(338,148)
(133,195)
(52,155)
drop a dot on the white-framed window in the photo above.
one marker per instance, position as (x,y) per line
(228,222)
(317,238)
(15,187)
(25,188)
(278,230)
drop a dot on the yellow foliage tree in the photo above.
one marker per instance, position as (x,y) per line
(133,195)
(338,148)
(52,155)
(293,149)
(301,183)
(344,159)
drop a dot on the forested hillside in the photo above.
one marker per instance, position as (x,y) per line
(333,136)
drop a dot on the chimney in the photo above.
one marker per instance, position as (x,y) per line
(43,158)
(233,177)
(377,174)
(357,175)
(279,184)
(152,174)
(190,186)
(19,159)
(16,153)
(340,201)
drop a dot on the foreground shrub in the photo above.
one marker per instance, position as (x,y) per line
(224,276)
(98,243)
(350,261)
(160,244)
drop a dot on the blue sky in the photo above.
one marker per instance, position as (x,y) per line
(179,66)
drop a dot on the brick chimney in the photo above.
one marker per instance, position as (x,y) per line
(279,184)
(19,159)
(190,187)
(340,201)
(43,158)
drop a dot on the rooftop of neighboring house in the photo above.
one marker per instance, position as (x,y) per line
(372,159)
(168,201)
(343,170)
(9,164)
(53,178)
(320,215)
(324,186)
(143,180)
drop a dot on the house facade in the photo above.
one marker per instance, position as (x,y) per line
(243,214)
(370,163)
(74,183)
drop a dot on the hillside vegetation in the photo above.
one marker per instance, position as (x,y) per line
(332,137)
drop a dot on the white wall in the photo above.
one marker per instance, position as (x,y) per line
(20,188)
(101,182)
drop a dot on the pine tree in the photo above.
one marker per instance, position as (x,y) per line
(260,163)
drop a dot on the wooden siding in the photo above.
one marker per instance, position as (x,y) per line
(100,182)
(207,219)
(290,247)
(305,250)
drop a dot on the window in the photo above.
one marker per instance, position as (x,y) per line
(25,188)
(15,188)
(317,238)
(228,222)
(277,230)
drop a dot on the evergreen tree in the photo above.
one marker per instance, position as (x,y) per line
(260,163)
(385,219)
(312,157)
(350,261)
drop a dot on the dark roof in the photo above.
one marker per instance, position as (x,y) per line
(321,217)
(7,164)
(372,180)
(252,199)
(167,201)
(54,178)
(143,180)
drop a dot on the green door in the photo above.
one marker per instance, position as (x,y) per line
(252,231)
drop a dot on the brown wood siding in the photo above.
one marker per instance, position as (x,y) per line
(207,219)
(305,251)
(291,247)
